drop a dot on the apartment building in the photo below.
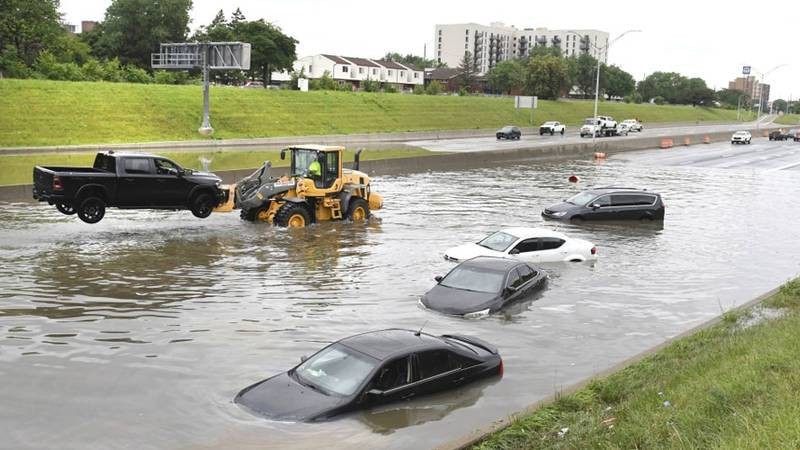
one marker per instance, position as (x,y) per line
(753,88)
(354,70)
(498,42)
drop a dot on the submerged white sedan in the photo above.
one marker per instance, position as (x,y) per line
(534,245)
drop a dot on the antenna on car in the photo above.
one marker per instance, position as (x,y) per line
(419,332)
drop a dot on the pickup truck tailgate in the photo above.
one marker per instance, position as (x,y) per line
(42,181)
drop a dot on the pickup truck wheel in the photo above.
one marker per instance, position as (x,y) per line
(562,131)
(552,132)
(66,209)
(92,210)
(202,205)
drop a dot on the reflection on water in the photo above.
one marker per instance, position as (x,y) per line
(149,322)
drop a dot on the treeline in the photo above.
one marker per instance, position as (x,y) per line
(34,44)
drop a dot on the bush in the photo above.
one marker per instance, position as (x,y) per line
(49,67)
(371,86)
(325,83)
(112,71)
(133,74)
(434,88)
(658,100)
(93,70)
(463,91)
(419,90)
(389,88)
(171,77)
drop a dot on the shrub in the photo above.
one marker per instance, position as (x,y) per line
(371,85)
(389,88)
(419,90)
(658,100)
(112,70)
(434,88)
(12,66)
(133,74)
(93,70)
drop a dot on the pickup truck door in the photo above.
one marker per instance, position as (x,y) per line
(137,185)
(174,187)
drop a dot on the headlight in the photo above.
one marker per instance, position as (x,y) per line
(558,214)
(477,314)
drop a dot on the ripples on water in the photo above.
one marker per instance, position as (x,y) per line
(149,322)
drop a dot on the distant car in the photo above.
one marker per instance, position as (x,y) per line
(623,129)
(609,203)
(795,133)
(371,369)
(633,124)
(253,84)
(552,128)
(508,132)
(532,245)
(482,286)
(741,137)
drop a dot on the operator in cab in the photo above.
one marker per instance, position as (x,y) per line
(315,169)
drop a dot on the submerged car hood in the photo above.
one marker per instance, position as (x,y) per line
(468,251)
(558,207)
(459,302)
(283,398)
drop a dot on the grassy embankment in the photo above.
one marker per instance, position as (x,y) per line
(48,113)
(17,169)
(734,385)
(788,119)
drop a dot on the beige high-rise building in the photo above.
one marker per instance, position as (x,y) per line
(499,42)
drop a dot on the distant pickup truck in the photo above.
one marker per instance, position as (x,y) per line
(602,126)
(128,181)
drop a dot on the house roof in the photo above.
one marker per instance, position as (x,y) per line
(391,64)
(445,74)
(336,59)
(361,61)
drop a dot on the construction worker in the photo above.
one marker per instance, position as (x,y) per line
(315,168)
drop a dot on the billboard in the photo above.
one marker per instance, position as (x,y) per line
(524,101)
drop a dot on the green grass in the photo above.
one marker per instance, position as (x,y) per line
(48,113)
(728,386)
(18,169)
(788,119)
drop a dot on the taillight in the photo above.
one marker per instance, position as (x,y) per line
(594,250)
(57,186)
(501,367)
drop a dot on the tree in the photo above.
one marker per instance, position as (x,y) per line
(618,83)
(547,77)
(467,71)
(506,77)
(133,29)
(539,51)
(661,84)
(779,105)
(693,91)
(270,50)
(732,98)
(29,26)
(417,61)
(583,72)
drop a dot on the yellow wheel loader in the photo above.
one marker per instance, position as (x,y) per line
(317,189)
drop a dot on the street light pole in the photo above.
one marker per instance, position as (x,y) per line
(761,92)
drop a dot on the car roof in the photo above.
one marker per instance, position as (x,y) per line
(491,263)
(385,344)
(131,154)
(612,189)
(527,232)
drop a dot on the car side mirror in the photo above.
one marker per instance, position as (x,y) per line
(283,154)
(514,251)
(512,289)
(438,278)
(174,171)
(375,393)
(303,358)
(595,206)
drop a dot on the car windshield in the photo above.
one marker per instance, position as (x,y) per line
(588,122)
(741,133)
(549,124)
(581,199)
(629,121)
(474,279)
(336,369)
(303,159)
(498,241)
(505,129)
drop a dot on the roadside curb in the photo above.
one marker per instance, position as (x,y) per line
(480,434)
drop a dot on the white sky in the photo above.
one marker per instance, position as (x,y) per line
(711,40)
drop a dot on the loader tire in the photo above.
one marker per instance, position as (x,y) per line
(358,210)
(248,215)
(293,215)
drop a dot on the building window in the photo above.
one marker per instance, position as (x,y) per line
(466,39)
(467,31)
(416,74)
(345,69)
(440,32)
(374,71)
(389,72)
(310,68)
(360,70)
(466,46)
(440,39)
(402,74)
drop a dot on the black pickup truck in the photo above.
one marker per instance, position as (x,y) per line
(126,180)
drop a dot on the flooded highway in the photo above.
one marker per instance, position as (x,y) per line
(139,331)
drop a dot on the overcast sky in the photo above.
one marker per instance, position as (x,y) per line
(711,40)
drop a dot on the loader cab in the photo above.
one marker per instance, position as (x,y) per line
(330,160)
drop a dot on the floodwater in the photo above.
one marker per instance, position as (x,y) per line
(137,332)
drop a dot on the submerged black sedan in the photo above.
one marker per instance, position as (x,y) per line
(483,285)
(370,369)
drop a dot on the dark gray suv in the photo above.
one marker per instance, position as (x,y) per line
(608,203)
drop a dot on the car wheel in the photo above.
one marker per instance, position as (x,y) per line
(293,215)
(646,218)
(562,131)
(202,205)
(92,210)
(64,208)
(576,219)
(358,210)
(552,132)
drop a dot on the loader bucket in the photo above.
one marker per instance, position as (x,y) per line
(227,205)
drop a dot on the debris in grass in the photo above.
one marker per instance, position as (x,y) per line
(608,423)
(563,432)
(667,404)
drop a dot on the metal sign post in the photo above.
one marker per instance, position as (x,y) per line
(205,56)
(524,101)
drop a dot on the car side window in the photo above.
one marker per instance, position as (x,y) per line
(603,200)
(436,362)
(528,245)
(551,243)
(393,374)
(645,199)
(138,166)
(514,279)
(526,273)
(163,167)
